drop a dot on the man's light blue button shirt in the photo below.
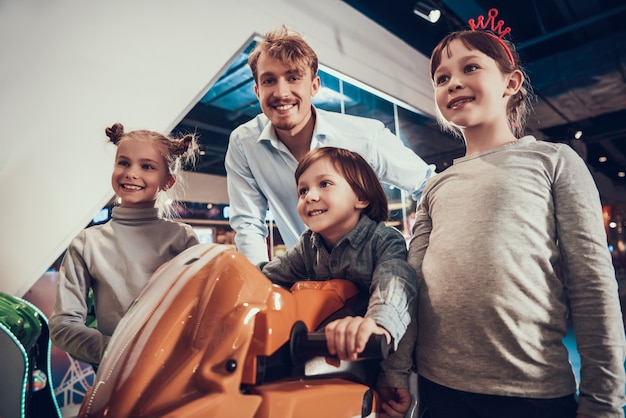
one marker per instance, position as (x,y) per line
(260,173)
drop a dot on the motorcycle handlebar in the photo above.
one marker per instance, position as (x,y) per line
(306,345)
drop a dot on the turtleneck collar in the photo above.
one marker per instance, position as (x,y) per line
(132,214)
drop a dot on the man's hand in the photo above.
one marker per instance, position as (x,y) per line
(394,402)
(347,337)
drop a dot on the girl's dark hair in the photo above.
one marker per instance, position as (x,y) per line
(519,105)
(359,175)
(181,151)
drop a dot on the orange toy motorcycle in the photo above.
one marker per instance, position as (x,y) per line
(212,336)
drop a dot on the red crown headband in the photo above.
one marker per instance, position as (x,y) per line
(496,28)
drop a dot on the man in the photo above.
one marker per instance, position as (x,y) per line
(263,153)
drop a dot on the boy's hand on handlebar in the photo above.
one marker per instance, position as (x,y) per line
(347,337)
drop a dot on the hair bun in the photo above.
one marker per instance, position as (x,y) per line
(115,132)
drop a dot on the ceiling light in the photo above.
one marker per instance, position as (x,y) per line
(426,12)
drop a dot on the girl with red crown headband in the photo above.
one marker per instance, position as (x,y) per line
(510,249)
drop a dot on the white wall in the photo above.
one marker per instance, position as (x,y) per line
(72,67)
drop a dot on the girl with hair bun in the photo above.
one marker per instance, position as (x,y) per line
(116,259)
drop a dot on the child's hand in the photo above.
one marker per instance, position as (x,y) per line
(394,402)
(346,337)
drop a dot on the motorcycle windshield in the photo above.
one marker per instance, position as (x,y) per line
(180,349)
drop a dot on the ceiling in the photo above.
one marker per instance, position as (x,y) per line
(574,52)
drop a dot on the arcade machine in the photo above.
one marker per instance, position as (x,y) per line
(26,391)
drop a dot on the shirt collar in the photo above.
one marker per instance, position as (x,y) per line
(134,214)
(269,134)
(321,131)
(354,238)
(517,143)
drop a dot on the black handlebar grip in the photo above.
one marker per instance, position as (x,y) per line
(376,348)
(306,345)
